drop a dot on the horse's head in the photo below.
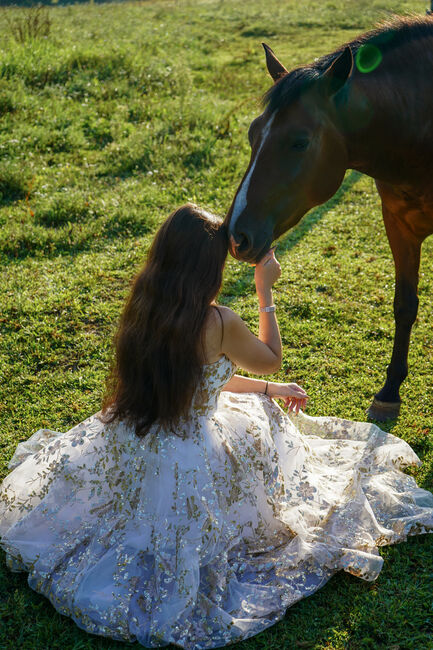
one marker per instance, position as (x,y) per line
(298,155)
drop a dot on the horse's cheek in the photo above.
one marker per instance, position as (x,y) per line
(327,172)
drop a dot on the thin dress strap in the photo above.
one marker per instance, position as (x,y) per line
(222,323)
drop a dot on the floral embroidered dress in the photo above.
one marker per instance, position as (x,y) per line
(205,537)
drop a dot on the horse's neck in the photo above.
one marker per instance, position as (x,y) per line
(387,120)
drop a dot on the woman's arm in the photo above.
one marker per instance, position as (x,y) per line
(239,384)
(259,355)
(293,395)
(269,331)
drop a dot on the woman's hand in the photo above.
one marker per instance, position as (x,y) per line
(293,395)
(267,272)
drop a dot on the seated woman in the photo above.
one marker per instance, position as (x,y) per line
(192,510)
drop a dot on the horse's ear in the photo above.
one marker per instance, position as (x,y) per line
(275,68)
(338,72)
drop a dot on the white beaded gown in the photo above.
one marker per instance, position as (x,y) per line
(204,537)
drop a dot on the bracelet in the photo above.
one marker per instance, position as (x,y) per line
(266,388)
(268,309)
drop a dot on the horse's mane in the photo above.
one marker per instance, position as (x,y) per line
(389,35)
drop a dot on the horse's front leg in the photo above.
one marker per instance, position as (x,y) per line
(406,247)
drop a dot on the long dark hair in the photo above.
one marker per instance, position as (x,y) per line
(159,343)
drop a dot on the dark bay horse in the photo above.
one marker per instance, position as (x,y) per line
(367,106)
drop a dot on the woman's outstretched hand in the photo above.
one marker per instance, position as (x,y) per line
(294,396)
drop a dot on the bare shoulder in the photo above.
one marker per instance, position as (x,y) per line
(229,316)
(213,334)
(222,328)
(234,326)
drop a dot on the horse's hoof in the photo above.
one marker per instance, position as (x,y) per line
(382,411)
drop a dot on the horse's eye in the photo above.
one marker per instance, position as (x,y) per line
(300,144)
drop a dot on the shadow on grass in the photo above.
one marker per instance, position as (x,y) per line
(385,425)
(72,239)
(13,187)
(293,237)
(238,285)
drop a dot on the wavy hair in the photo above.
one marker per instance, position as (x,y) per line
(159,351)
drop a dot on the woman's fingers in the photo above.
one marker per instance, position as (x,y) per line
(295,402)
(269,255)
(292,402)
(267,271)
(288,403)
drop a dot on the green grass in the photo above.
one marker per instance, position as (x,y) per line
(123,113)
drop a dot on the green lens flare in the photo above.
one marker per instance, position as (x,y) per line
(368,57)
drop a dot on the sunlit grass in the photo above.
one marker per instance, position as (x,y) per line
(121,114)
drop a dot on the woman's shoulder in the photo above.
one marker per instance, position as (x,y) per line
(231,321)
(217,324)
(227,314)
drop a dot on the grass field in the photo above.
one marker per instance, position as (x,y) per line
(120,114)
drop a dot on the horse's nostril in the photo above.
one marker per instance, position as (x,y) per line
(243,242)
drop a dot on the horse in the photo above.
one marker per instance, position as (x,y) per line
(367,106)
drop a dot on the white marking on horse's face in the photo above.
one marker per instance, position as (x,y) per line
(241,197)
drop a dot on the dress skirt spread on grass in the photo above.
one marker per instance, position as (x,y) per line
(205,537)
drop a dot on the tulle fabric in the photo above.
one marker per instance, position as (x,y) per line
(204,536)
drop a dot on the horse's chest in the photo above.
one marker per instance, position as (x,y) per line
(410,207)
